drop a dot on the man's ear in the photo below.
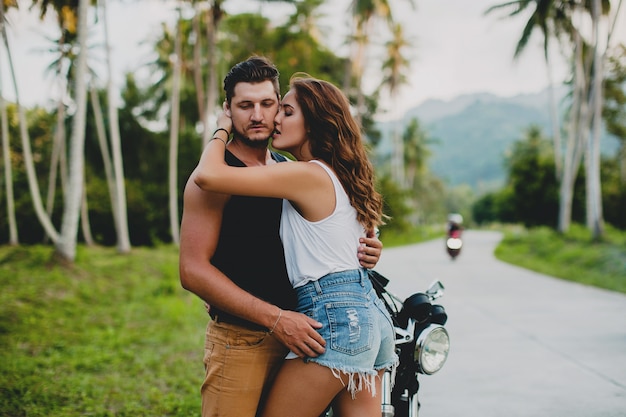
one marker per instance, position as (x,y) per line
(226,108)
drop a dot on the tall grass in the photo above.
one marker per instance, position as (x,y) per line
(113,335)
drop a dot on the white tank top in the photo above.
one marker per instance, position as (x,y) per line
(314,249)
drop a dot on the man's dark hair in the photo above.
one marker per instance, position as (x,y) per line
(255,69)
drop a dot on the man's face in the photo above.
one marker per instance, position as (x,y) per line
(252,110)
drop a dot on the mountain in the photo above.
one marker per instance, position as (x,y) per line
(473,133)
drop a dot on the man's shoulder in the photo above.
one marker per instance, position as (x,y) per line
(194,196)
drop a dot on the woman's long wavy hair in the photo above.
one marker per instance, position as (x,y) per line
(335,138)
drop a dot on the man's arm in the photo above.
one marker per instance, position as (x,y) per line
(200,228)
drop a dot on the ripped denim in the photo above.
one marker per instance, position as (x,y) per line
(357,328)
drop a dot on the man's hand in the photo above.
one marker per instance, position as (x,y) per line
(370,249)
(297,332)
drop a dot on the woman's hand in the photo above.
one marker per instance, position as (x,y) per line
(224,121)
(369,250)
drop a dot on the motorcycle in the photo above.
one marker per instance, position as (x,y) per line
(422,345)
(453,235)
(454,243)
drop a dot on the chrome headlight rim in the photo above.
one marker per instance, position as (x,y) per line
(431,349)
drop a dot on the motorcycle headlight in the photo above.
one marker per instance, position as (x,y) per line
(431,349)
(454,243)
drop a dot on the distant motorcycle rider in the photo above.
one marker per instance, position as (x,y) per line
(455,222)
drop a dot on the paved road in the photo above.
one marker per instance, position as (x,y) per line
(522,344)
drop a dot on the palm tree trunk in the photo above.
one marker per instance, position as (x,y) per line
(57,149)
(8,172)
(6,153)
(556,123)
(359,69)
(84,219)
(197,63)
(104,150)
(173,152)
(595,220)
(66,245)
(121,225)
(572,155)
(214,18)
(33,185)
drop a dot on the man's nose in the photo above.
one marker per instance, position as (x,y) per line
(257,114)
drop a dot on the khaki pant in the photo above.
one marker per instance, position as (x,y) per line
(240,366)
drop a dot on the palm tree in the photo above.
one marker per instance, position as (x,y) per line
(104,148)
(33,185)
(84,218)
(66,245)
(423,189)
(174,121)
(119,200)
(560,19)
(8,172)
(363,13)
(62,67)
(305,18)
(215,15)
(615,103)
(416,145)
(552,21)
(394,69)
(6,149)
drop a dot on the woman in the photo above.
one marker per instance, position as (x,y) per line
(330,202)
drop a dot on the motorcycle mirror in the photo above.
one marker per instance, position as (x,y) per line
(435,290)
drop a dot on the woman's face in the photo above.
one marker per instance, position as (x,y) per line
(290,134)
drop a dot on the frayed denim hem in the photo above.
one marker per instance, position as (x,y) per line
(358,380)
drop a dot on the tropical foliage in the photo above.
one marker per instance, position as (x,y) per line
(584,30)
(116,176)
(530,196)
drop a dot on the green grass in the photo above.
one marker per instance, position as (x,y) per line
(573,256)
(113,335)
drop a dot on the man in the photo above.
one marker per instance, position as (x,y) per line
(231,256)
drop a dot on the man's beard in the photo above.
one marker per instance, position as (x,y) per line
(256,144)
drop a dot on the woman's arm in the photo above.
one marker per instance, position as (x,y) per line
(285,180)
(307,186)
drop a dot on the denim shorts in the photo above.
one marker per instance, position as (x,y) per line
(359,334)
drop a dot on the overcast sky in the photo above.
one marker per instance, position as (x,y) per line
(456,49)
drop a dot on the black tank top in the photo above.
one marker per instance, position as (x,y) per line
(249,250)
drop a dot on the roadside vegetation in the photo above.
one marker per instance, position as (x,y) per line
(573,256)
